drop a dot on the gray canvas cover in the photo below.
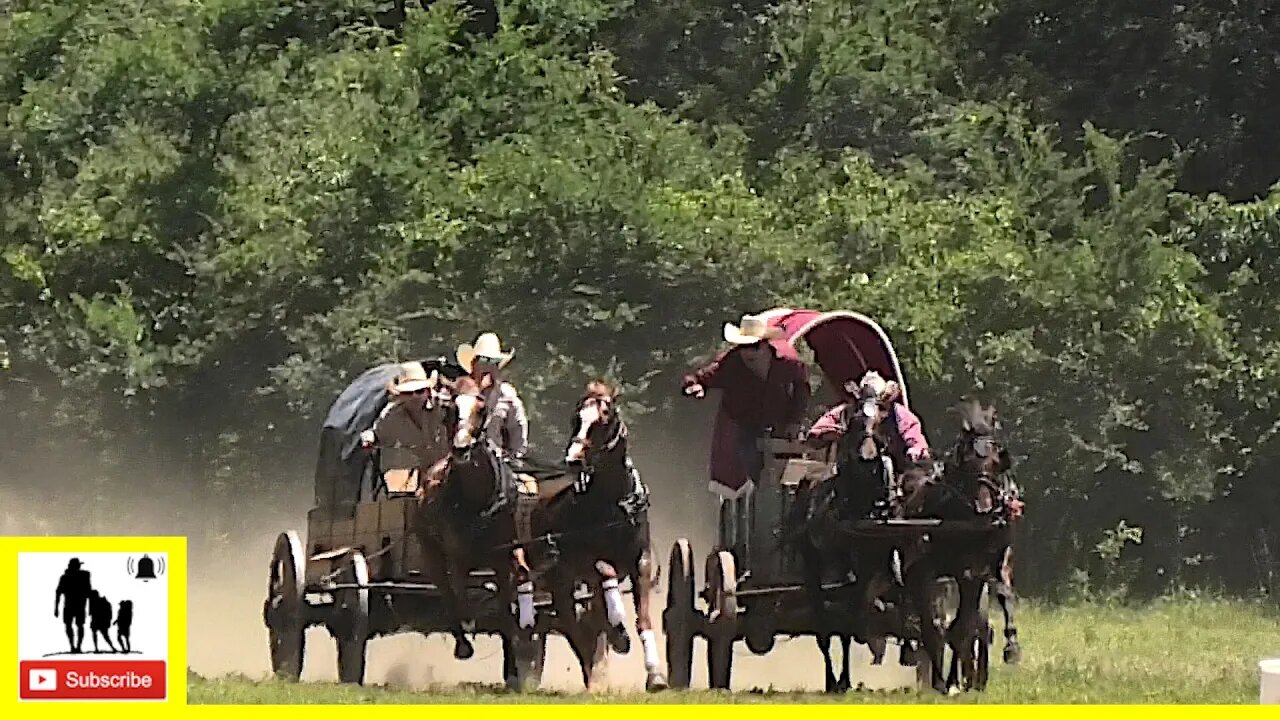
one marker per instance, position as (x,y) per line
(341,463)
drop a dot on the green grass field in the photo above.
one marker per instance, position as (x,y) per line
(1186,651)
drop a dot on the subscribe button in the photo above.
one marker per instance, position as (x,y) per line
(92,680)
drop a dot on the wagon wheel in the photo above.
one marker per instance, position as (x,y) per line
(722,586)
(350,624)
(680,617)
(284,611)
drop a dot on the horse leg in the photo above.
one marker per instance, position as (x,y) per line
(615,610)
(642,596)
(1007,598)
(517,637)
(567,620)
(440,568)
(846,680)
(813,588)
(596,647)
(455,597)
(878,645)
(921,583)
(965,627)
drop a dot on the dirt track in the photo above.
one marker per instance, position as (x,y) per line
(226,636)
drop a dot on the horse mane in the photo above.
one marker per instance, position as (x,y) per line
(599,389)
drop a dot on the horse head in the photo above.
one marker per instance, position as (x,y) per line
(468,415)
(597,425)
(973,474)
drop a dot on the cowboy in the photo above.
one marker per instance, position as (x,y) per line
(508,425)
(412,441)
(765,391)
(907,440)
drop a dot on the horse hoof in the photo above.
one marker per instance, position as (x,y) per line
(463,650)
(619,640)
(656,682)
(1012,654)
(953,691)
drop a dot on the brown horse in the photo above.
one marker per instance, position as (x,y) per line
(599,517)
(973,488)
(464,522)
(819,530)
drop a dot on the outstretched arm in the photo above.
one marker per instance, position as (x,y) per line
(826,429)
(707,376)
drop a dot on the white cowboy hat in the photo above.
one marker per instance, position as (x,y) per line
(413,377)
(753,329)
(487,346)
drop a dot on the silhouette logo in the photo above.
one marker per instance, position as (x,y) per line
(107,635)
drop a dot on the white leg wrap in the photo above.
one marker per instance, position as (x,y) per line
(613,602)
(649,641)
(524,601)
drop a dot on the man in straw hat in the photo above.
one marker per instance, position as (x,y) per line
(508,422)
(765,389)
(411,435)
(508,425)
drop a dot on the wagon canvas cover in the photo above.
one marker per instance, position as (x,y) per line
(845,344)
(340,464)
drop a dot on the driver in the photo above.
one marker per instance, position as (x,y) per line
(906,435)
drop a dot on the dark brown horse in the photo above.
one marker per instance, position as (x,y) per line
(819,529)
(973,487)
(464,522)
(599,518)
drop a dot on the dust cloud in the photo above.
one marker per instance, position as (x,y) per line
(227,587)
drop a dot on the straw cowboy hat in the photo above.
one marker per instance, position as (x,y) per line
(753,329)
(487,346)
(412,378)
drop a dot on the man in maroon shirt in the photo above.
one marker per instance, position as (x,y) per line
(765,389)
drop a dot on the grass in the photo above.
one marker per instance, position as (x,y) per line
(1183,652)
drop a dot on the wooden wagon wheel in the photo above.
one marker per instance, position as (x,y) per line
(284,611)
(350,623)
(722,630)
(680,618)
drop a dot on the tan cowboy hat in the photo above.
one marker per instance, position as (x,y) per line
(412,378)
(487,346)
(753,329)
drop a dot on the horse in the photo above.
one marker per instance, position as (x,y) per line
(823,506)
(970,488)
(463,522)
(600,509)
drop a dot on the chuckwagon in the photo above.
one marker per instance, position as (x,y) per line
(358,571)
(752,588)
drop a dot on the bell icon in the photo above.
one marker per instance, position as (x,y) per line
(146,569)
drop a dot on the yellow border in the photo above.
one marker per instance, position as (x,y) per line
(176,574)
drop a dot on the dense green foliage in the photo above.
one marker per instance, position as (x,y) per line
(214,213)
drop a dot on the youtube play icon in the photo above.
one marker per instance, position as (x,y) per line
(92,680)
(42,679)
